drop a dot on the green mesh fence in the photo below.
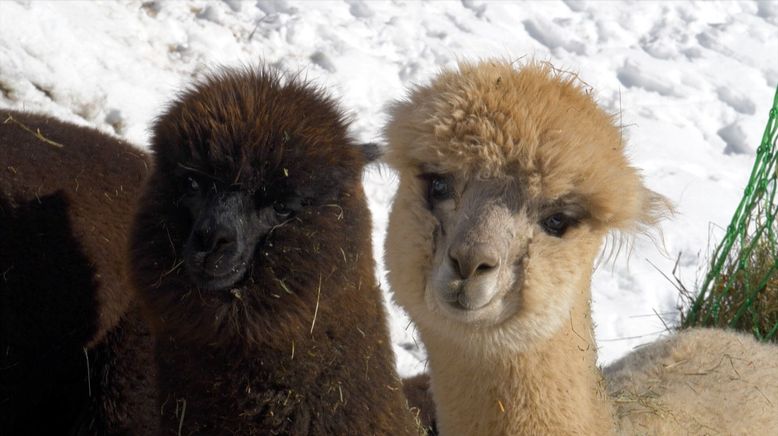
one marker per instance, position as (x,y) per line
(740,290)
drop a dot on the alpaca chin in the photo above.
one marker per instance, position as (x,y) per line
(454,304)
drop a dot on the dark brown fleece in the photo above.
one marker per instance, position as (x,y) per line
(300,345)
(67,195)
(417,391)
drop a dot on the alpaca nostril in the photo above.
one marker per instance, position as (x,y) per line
(220,241)
(210,240)
(455,263)
(485,267)
(474,260)
(220,244)
(200,240)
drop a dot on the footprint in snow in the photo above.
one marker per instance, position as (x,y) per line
(478,10)
(270,7)
(210,13)
(235,5)
(739,102)
(632,76)
(735,138)
(359,9)
(544,33)
(324,61)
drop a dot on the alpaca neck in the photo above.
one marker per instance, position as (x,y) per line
(553,388)
(219,390)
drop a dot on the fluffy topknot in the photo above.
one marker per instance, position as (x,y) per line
(245,122)
(535,123)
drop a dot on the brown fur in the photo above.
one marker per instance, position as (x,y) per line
(66,199)
(417,391)
(252,360)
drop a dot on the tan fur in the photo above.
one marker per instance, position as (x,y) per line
(697,382)
(523,364)
(535,124)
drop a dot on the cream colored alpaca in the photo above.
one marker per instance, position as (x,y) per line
(697,382)
(509,181)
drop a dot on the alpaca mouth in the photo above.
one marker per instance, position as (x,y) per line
(462,307)
(223,282)
(210,280)
(216,271)
(456,295)
(473,299)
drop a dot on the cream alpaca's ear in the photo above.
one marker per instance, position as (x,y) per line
(644,211)
(654,208)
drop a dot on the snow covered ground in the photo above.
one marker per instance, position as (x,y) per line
(693,83)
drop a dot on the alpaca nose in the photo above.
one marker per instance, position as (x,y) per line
(213,237)
(471,260)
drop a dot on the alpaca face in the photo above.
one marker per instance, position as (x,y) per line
(227,225)
(475,259)
(509,180)
(481,244)
(254,203)
(496,257)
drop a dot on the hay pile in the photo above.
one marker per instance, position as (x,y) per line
(740,291)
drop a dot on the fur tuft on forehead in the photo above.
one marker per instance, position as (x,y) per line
(533,123)
(249,125)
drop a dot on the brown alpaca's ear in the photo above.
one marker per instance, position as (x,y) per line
(371,151)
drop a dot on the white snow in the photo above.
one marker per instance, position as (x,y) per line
(692,82)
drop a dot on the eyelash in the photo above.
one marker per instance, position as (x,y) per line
(281,210)
(557,224)
(194,183)
(191,185)
(438,187)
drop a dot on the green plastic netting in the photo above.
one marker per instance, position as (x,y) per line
(740,290)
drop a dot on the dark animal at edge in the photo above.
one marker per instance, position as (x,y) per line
(75,358)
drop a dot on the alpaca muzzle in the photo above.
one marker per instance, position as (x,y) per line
(467,281)
(477,267)
(220,247)
(473,268)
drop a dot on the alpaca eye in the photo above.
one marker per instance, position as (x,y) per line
(281,209)
(556,224)
(191,185)
(439,189)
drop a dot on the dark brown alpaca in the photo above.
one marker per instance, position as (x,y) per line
(67,195)
(252,255)
(417,391)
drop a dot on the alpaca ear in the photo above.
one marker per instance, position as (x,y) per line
(654,208)
(651,209)
(371,151)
